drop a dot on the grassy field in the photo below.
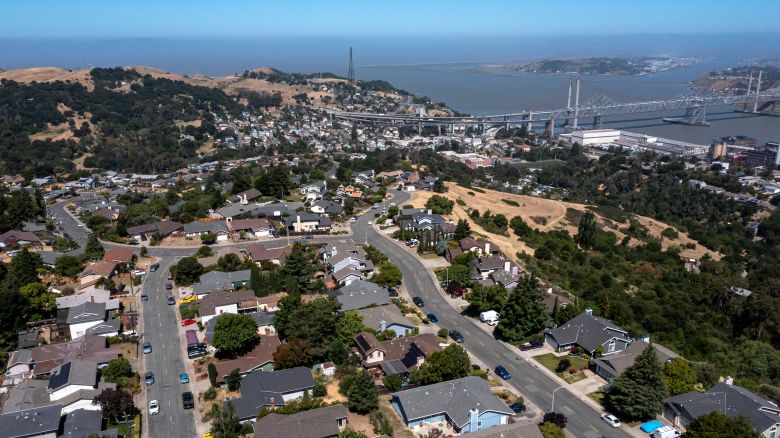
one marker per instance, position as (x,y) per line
(550,361)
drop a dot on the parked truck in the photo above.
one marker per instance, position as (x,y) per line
(490,317)
(666,432)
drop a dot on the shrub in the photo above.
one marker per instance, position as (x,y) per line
(563,365)
(442,333)
(511,202)
(210,394)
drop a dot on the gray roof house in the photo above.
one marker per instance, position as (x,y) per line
(361,294)
(82,423)
(214,227)
(467,404)
(325,422)
(37,422)
(387,317)
(724,398)
(613,365)
(302,222)
(330,208)
(260,389)
(589,333)
(218,280)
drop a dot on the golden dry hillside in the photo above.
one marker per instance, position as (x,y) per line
(546,215)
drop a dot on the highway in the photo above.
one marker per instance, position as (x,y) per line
(532,383)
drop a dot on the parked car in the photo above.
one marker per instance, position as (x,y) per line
(147,347)
(353,219)
(154,267)
(171,300)
(432,318)
(144,297)
(188,299)
(666,432)
(308,237)
(502,372)
(418,301)
(475,367)
(392,292)
(517,408)
(149,378)
(186,322)
(168,285)
(456,336)
(184,378)
(531,345)
(187,400)
(154,407)
(611,420)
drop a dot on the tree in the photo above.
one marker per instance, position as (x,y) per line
(638,393)
(204,251)
(338,352)
(188,271)
(94,249)
(67,266)
(297,266)
(550,430)
(41,302)
(234,334)
(555,418)
(392,382)
(315,323)
(256,279)
(439,204)
(439,187)
(233,380)
(226,423)
(118,371)
(679,376)
(519,226)
(389,275)
(524,313)
(462,230)
(717,425)
(115,403)
(212,369)
(230,263)
(484,298)
(287,305)
(362,396)
(451,363)
(350,433)
(349,324)
(24,269)
(586,231)
(208,238)
(291,354)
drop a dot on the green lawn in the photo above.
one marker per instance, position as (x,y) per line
(597,396)
(550,361)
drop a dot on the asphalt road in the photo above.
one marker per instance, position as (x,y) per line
(165,361)
(532,383)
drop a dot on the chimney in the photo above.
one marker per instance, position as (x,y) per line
(487,247)
(514,270)
(382,325)
(589,311)
(430,212)
(243,200)
(507,266)
(473,420)
(273,404)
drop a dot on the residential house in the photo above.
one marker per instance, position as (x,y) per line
(325,422)
(19,366)
(245,197)
(265,322)
(387,317)
(84,423)
(218,280)
(361,294)
(14,238)
(611,366)
(313,191)
(330,208)
(590,333)
(483,267)
(259,358)
(397,356)
(726,398)
(217,228)
(120,254)
(259,254)
(270,303)
(342,256)
(32,423)
(261,389)
(465,405)
(481,247)
(85,316)
(90,294)
(302,222)
(251,227)
(217,303)
(157,230)
(96,270)
(419,220)
(44,358)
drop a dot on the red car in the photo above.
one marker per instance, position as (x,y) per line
(186,322)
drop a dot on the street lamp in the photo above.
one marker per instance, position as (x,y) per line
(552,405)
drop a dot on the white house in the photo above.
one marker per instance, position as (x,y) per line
(85,316)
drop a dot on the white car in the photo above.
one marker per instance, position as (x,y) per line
(154,407)
(611,420)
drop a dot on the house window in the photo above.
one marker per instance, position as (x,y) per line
(611,346)
(479,424)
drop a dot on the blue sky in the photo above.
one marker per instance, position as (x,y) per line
(337,18)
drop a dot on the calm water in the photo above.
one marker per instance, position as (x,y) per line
(400,61)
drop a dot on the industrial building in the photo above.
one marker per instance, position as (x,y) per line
(634,141)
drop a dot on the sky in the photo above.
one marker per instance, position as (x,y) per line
(111,19)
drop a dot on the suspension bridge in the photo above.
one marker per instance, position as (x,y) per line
(595,108)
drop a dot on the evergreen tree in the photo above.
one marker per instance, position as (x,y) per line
(638,393)
(679,376)
(363,396)
(94,249)
(297,267)
(586,231)
(226,423)
(24,269)
(451,363)
(524,313)
(282,316)
(462,230)
(256,281)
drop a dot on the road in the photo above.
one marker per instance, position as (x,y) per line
(165,361)
(532,383)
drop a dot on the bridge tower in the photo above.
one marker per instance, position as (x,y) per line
(576,103)
(695,114)
(750,85)
(758,90)
(597,122)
